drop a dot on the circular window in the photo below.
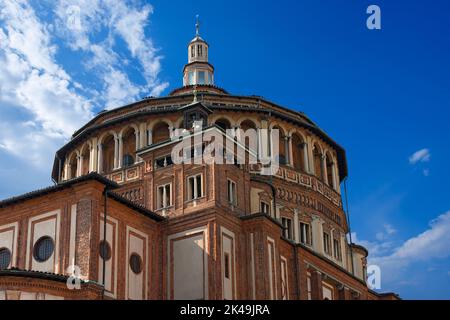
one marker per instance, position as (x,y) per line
(105,250)
(43,249)
(5,258)
(135,263)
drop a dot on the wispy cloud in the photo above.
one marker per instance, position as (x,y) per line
(422,155)
(34,85)
(388,230)
(433,243)
(42,103)
(84,21)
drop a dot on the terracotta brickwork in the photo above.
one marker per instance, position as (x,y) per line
(198,230)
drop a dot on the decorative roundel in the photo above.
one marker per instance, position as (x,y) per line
(43,249)
(5,258)
(136,263)
(105,250)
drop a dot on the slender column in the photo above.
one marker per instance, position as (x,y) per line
(289,151)
(296,225)
(312,168)
(149,137)
(332,244)
(94,155)
(66,169)
(100,158)
(137,135)
(317,233)
(195,195)
(91,159)
(69,171)
(343,250)
(80,165)
(142,133)
(324,169)
(336,177)
(116,152)
(305,158)
(258,142)
(120,151)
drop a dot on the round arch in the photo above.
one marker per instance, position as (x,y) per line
(246,118)
(218,117)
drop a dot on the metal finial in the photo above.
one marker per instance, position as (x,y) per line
(197,26)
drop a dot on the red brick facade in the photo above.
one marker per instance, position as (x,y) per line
(174,231)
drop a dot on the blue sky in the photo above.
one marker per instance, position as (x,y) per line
(382,94)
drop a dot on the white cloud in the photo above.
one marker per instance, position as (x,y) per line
(388,230)
(125,19)
(40,106)
(434,243)
(422,155)
(118,89)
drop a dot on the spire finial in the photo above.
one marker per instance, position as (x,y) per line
(197,26)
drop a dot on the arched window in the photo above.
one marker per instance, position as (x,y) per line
(108,146)
(298,152)
(73,162)
(330,178)
(129,147)
(282,158)
(249,138)
(86,154)
(317,153)
(224,124)
(161,132)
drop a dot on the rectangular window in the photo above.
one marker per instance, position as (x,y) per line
(163,162)
(195,187)
(337,249)
(265,208)
(191,78)
(164,196)
(232,194)
(227,265)
(305,233)
(287,224)
(192,51)
(326,243)
(201,77)
(199,49)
